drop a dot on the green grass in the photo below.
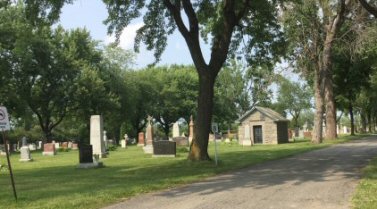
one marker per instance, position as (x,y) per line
(55,182)
(365,196)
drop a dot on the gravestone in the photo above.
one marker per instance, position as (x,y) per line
(39,145)
(86,158)
(191,132)
(57,145)
(141,139)
(105,142)
(96,135)
(32,147)
(247,136)
(164,148)
(123,142)
(175,129)
(49,149)
(74,146)
(181,141)
(25,154)
(148,148)
(65,145)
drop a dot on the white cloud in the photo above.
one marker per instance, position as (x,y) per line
(127,38)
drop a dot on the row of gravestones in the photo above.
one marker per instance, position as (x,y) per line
(164,148)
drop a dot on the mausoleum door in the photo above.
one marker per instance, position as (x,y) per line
(258,134)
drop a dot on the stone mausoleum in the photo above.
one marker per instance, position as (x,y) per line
(262,125)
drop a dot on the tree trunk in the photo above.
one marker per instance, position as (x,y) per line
(199,145)
(328,87)
(318,117)
(352,120)
(363,122)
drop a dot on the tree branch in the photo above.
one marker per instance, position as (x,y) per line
(191,37)
(371,9)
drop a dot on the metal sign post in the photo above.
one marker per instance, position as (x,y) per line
(214,127)
(4,126)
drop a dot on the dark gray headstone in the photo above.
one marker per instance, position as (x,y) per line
(86,153)
(164,148)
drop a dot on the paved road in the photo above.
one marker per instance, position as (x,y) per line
(320,179)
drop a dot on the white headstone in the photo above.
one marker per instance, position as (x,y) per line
(105,142)
(32,147)
(175,129)
(96,135)
(39,145)
(57,145)
(25,154)
(247,138)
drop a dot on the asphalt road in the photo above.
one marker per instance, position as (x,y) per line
(320,179)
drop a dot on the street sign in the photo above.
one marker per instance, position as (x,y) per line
(4,119)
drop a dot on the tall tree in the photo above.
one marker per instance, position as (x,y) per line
(312,27)
(228,23)
(294,98)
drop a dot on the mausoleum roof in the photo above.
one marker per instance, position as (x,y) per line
(265,111)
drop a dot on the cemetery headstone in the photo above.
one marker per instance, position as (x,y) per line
(164,148)
(181,141)
(32,147)
(57,145)
(25,154)
(49,149)
(141,139)
(247,136)
(86,158)
(124,141)
(65,145)
(69,145)
(39,145)
(96,135)
(105,142)
(175,129)
(148,148)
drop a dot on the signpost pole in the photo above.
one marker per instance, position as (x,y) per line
(5,126)
(214,130)
(9,165)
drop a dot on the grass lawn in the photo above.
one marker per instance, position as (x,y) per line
(365,196)
(55,182)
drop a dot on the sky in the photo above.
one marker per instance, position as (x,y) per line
(91,14)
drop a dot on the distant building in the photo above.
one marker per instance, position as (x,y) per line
(262,125)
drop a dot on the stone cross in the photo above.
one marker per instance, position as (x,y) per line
(149,118)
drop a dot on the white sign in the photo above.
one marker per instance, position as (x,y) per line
(4,119)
